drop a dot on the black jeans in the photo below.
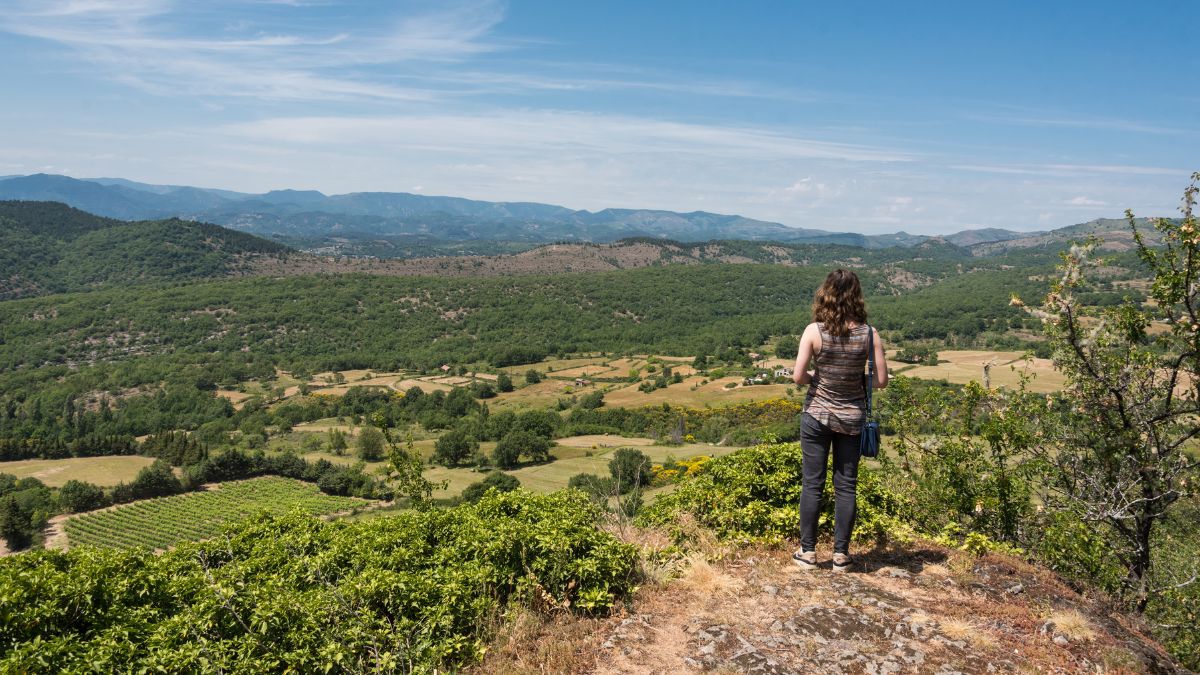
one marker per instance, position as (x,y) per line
(816,440)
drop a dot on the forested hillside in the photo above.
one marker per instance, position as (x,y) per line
(47,247)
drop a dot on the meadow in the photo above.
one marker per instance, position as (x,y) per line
(104,471)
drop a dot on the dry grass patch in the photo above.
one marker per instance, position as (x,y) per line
(104,471)
(604,441)
(967,631)
(964,366)
(701,577)
(529,643)
(1073,624)
(237,398)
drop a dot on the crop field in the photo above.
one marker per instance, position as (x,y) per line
(103,471)
(159,523)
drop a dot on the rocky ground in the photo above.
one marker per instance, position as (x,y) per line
(922,610)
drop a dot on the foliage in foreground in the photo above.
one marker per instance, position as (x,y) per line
(752,495)
(298,594)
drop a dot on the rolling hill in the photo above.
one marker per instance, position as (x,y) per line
(47,247)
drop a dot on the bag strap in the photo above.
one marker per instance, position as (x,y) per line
(870,368)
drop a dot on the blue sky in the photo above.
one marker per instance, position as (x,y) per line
(929,117)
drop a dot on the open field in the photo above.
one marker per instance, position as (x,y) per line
(572,460)
(104,471)
(554,475)
(552,365)
(588,371)
(714,393)
(604,441)
(961,367)
(159,523)
(544,394)
(237,398)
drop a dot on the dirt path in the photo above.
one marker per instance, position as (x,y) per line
(56,534)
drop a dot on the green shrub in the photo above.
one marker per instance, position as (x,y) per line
(76,496)
(500,481)
(409,593)
(754,495)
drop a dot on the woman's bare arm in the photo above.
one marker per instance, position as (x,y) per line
(881,368)
(809,344)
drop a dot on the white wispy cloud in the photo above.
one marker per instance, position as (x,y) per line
(1070,169)
(153,45)
(1085,201)
(525,131)
(1011,115)
(158,46)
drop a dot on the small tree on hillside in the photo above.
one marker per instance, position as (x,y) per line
(404,469)
(337,442)
(77,496)
(370,444)
(504,383)
(630,469)
(518,443)
(532,376)
(1133,393)
(454,447)
(786,347)
(14,524)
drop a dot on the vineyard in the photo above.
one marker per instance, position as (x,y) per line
(159,523)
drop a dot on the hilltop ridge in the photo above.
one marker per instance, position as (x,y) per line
(919,608)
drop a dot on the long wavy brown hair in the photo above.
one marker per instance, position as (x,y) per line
(838,302)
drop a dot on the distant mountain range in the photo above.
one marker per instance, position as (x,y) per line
(306,214)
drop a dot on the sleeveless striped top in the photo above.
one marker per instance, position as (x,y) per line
(837,397)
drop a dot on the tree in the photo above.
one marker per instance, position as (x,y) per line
(504,383)
(592,400)
(498,480)
(532,376)
(520,442)
(14,525)
(454,447)
(404,470)
(539,422)
(337,442)
(370,444)
(77,496)
(630,469)
(786,347)
(1133,396)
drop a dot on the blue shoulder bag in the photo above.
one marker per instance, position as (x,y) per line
(868,441)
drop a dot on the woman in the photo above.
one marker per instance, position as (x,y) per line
(835,345)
